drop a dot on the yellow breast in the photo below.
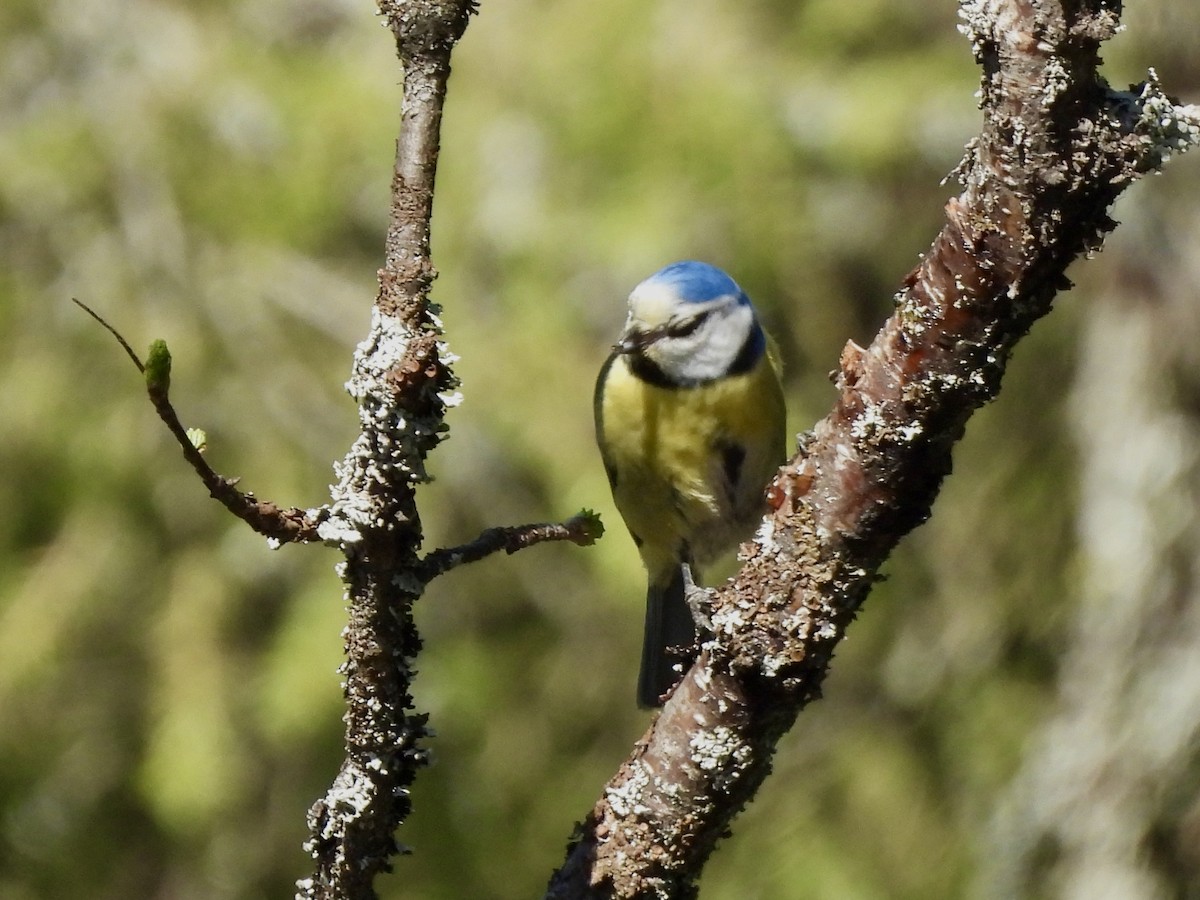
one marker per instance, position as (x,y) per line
(671,452)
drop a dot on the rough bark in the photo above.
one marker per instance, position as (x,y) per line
(402,384)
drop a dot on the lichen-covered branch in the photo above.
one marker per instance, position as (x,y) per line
(403,384)
(1056,148)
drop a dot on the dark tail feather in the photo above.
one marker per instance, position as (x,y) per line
(668,624)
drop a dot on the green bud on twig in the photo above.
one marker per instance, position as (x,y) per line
(158,367)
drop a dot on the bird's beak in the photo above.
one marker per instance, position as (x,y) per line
(635,340)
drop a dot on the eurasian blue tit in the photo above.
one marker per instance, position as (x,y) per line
(690,422)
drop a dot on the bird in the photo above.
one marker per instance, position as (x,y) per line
(690,422)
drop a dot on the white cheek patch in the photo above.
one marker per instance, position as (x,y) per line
(708,352)
(673,354)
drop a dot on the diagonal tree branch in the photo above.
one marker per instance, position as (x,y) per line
(1056,148)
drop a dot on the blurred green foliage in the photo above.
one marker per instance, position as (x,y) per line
(216,173)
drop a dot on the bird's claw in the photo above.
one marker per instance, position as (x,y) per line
(699,600)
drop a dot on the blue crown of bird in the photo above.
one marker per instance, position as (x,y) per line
(690,421)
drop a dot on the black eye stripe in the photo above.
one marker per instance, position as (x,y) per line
(686,326)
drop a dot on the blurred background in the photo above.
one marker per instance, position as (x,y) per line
(1016,711)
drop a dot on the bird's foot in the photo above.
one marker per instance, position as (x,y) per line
(699,600)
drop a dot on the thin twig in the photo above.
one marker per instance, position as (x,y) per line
(283,525)
(582,529)
(120,340)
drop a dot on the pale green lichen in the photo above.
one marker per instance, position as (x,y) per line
(1165,127)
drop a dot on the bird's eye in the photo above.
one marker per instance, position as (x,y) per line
(684,327)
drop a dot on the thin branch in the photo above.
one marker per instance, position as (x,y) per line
(283,525)
(120,338)
(583,529)
(1056,149)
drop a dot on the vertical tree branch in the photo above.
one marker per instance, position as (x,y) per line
(1055,150)
(401,382)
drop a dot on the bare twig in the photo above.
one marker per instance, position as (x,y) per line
(583,529)
(1057,147)
(283,525)
(120,338)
